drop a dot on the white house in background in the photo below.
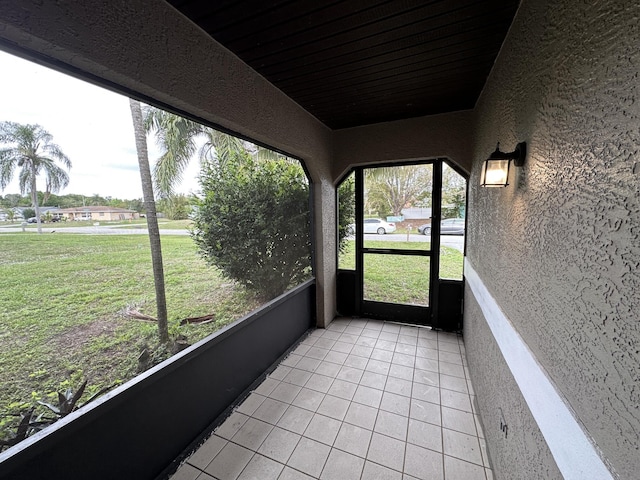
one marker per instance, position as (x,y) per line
(416,213)
(100,213)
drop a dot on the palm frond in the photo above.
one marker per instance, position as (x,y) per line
(57,179)
(24,180)
(55,152)
(7,167)
(176,136)
(220,146)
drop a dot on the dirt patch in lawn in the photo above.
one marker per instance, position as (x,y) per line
(74,338)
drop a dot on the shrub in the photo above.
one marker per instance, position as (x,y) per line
(253,222)
(176,207)
(346,211)
(28,213)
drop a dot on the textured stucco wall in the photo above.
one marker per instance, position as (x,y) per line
(559,249)
(499,393)
(146,47)
(436,136)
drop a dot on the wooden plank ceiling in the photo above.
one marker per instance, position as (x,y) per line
(357,62)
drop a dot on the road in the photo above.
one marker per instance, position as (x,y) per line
(454,241)
(94,230)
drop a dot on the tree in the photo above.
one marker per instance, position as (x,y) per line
(178,139)
(176,136)
(137,205)
(176,207)
(12,199)
(152,219)
(254,222)
(454,194)
(30,148)
(346,210)
(28,213)
(390,189)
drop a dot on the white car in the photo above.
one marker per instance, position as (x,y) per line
(375,225)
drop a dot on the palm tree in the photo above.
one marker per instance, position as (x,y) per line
(30,149)
(178,138)
(152,219)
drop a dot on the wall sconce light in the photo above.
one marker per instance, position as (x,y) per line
(495,169)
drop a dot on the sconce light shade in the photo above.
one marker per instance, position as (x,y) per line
(495,170)
(495,173)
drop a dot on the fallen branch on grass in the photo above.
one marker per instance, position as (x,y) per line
(133,313)
(200,320)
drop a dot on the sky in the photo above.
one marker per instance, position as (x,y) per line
(91,125)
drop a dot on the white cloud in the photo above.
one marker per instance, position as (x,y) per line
(90,124)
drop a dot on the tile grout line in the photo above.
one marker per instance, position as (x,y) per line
(387,376)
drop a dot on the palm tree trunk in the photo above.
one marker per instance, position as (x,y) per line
(152,219)
(34,197)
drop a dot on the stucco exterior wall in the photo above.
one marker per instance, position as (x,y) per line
(499,393)
(143,46)
(435,136)
(559,248)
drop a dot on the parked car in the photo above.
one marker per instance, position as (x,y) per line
(375,225)
(448,226)
(32,220)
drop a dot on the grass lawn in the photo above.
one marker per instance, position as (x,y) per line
(400,279)
(64,295)
(62,303)
(163,224)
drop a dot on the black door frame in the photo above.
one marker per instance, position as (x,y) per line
(422,315)
(445,297)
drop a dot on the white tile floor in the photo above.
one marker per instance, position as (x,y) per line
(358,400)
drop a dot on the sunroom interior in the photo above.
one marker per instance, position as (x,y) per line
(551,273)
